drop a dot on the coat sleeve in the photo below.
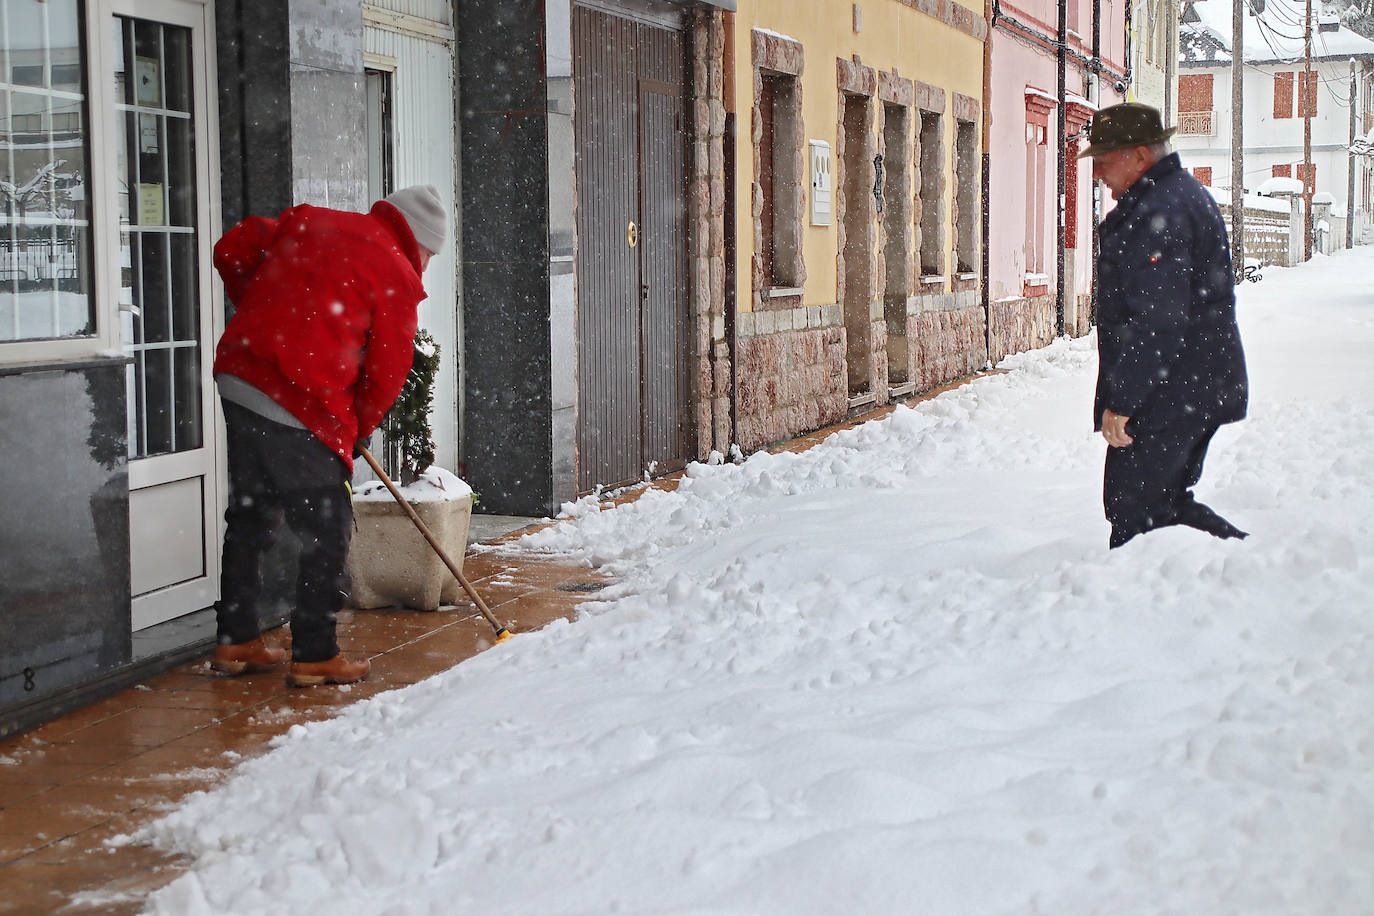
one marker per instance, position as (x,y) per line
(1156,300)
(387,357)
(240,252)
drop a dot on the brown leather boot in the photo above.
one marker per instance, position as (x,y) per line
(338,670)
(246,657)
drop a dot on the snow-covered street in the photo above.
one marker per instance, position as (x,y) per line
(898,673)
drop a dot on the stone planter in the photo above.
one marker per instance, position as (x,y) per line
(390,562)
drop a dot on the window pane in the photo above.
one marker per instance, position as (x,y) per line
(177,57)
(134,393)
(187,398)
(45,244)
(148,64)
(181,151)
(157,323)
(124,83)
(185,295)
(157,401)
(131,287)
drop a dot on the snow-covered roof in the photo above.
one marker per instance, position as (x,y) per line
(1323,197)
(1252,201)
(1280,185)
(1276,35)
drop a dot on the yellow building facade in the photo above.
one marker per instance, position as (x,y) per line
(855,135)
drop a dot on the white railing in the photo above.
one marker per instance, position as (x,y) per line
(1197,123)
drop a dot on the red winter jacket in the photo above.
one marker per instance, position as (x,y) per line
(325,320)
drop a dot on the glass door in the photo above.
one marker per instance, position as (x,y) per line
(164,305)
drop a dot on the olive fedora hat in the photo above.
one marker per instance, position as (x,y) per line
(1125,125)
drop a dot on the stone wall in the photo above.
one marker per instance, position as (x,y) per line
(710,354)
(792,373)
(1021,324)
(948,337)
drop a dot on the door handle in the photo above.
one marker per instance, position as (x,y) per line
(632,234)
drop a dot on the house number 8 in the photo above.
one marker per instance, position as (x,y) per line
(632,234)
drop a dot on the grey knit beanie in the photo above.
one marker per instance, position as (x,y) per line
(424,212)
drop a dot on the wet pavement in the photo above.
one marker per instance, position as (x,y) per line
(103,771)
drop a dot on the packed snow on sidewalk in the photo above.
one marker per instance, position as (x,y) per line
(898,673)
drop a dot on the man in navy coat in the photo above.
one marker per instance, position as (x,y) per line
(1171,369)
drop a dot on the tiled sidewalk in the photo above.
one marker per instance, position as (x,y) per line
(111,767)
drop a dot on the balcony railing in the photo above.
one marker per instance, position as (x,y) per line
(1197,123)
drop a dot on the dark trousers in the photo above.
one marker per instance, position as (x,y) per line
(277,469)
(1149,483)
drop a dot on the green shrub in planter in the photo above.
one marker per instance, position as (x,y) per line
(409,442)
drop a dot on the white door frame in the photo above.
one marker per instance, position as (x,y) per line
(206,463)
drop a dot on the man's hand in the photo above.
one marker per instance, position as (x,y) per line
(1114,429)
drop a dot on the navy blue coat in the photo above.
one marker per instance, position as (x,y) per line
(1168,347)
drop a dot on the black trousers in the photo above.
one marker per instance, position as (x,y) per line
(1149,483)
(278,469)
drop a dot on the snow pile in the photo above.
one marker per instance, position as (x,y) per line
(898,673)
(434,485)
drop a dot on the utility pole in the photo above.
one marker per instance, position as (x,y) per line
(1350,165)
(1237,139)
(1061,132)
(1170,60)
(985,148)
(1307,179)
(1096,186)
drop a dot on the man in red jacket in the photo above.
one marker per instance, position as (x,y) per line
(316,353)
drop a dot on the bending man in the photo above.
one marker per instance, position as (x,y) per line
(314,356)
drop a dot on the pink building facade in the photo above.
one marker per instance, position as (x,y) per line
(1035,295)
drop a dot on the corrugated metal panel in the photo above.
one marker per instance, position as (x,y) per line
(662,191)
(425,153)
(609,417)
(436,10)
(631,300)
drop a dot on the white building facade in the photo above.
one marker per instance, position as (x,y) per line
(1277,97)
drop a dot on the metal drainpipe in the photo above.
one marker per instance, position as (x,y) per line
(985,290)
(1061,132)
(731,254)
(1126,46)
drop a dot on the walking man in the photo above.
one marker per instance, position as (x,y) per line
(316,353)
(1171,369)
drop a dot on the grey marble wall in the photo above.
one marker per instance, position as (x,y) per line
(64,540)
(291,105)
(252,56)
(504,98)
